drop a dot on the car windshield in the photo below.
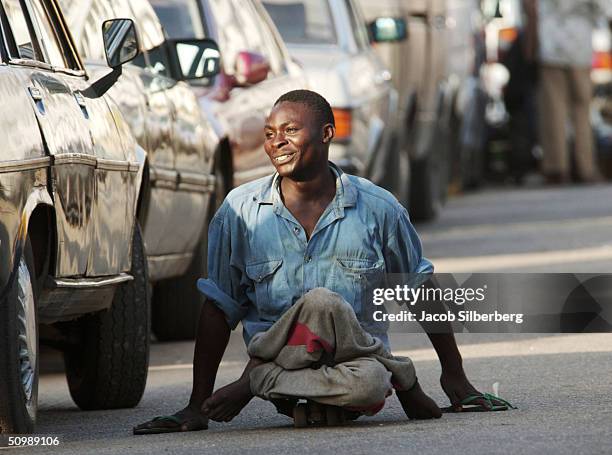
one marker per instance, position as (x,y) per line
(303,21)
(180,18)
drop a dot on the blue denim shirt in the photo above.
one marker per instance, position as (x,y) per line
(260,262)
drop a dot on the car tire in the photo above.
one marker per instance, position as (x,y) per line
(430,176)
(19,350)
(425,197)
(177,301)
(108,368)
(400,172)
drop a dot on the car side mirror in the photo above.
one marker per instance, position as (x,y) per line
(195,58)
(121,46)
(251,68)
(388,29)
(120,41)
(491,9)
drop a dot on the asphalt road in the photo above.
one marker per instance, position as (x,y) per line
(560,383)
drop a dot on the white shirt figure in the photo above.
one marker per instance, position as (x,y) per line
(565,29)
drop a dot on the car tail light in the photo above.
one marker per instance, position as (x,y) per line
(343,119)
(506,37)
(602,60)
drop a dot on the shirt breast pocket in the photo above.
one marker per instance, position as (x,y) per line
(269,287)
(355,279)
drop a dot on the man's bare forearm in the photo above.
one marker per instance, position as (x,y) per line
(211,340)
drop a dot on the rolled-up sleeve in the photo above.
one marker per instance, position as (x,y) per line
(403,252)
(224,285)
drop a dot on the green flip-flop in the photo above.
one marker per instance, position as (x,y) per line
(468,404)
(153,427)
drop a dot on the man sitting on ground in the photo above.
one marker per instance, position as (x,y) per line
(287,256)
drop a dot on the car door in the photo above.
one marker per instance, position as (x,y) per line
(141,94)
(191,151)
(67,138)
(154,74)
(186,143)
(89,164)
(193,161)
(116,185)
(371,88)
(426,25)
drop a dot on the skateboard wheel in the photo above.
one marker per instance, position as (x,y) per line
(334,416)
(300,416)
(316,412)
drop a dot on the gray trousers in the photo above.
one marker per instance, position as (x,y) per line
(317,350)
(565,93)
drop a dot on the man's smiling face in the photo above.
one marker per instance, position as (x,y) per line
(297,141)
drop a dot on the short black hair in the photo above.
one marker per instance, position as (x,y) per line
(313,101)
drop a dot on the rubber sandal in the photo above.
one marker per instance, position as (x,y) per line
(180,425)
(468,405)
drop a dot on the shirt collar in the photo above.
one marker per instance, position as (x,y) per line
(346,194)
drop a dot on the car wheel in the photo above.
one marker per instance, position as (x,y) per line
(425,198)
(19,350)
(430,176)
(177,301)
(399,170)
(108,368)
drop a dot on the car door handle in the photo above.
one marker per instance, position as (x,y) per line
(382,77)
(35,93)
(439,22)
(37,96)
(80,99)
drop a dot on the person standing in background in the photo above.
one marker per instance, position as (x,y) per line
(520,99)
(563,31)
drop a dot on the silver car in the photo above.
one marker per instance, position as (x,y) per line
(434,50)
(72,270)
(164,115)
(330,40)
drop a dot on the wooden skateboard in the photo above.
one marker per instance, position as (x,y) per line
(312,413)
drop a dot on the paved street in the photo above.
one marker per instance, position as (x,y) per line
(560,383)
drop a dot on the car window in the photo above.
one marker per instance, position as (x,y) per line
(180,18)
(303,21)
(275,40)
(48,38)
(158,61)
(86,28)
(252,20)
(21,30)
(235,34)
(147,22)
